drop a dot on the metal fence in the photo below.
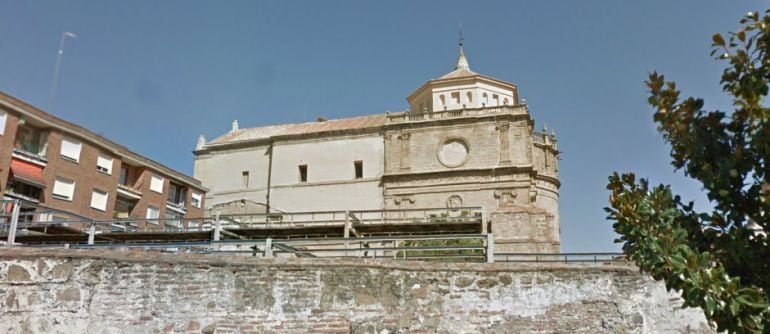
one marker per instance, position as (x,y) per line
(468,247)
(601,257)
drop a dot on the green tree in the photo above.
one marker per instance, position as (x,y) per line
(717,260)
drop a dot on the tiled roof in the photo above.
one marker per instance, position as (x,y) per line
(265,132)
(459,73)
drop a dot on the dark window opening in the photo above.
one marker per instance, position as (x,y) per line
(20,188)
(359,167)
(245,175)
(176,194)
(124,175)
(302,173)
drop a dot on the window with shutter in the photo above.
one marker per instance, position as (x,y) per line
(63,189)
(3,117)
(70,149)
(99,200)
(156,183)
(104,164)
(197,199)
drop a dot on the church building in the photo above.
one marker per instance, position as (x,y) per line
(466,141)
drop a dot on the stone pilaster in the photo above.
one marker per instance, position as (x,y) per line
(505,145)
(404,159)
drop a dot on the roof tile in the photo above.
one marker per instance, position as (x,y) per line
(265,132)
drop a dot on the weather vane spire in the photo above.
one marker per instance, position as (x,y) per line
(462,62)
(460,38)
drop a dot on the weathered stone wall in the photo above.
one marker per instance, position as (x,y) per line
(524,229)
(58,291)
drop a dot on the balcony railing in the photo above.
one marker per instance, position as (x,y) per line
(30,156)
(129,192)
(178,207)
(407,117)
(543,138)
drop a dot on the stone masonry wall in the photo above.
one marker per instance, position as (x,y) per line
(524,229)
(67,291)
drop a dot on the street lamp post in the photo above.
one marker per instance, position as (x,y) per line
(64,36)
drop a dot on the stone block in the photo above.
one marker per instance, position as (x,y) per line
(17,273)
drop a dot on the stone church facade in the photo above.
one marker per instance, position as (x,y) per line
(466,141)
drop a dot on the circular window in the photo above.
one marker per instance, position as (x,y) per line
(454,202)
(453,152)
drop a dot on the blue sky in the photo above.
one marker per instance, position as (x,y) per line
(153,75)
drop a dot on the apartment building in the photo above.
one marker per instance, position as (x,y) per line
(65,170)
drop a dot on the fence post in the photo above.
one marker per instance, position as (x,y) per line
(483,221)
(14,222)
(395,249)
(490,248)
(269,247)
(346,233)
(217,227)
(91,233)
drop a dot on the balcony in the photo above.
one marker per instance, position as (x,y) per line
(23,191)
(409,117)
(31,143)
(176,198)
(176,207)
(25,180)
(128,192)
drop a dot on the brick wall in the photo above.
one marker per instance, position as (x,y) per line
(84,173)
(44,291)
(6,147)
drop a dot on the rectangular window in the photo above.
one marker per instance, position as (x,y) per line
(176,194)
(99,200)
(197,199)
(302,173)
(27,190)
(123,175)
(245,179)
(104,164)
(359,167)
(3,117)
(153,213)
(456,97)
(70,149)
(63,189)
(156,183)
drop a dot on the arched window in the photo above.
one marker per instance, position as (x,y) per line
(505,101)
(442,98)
(469,95)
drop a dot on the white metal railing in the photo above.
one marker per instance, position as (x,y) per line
(36,223)
(411,116)
(357,217)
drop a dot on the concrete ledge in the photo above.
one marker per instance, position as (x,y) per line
(18,253)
